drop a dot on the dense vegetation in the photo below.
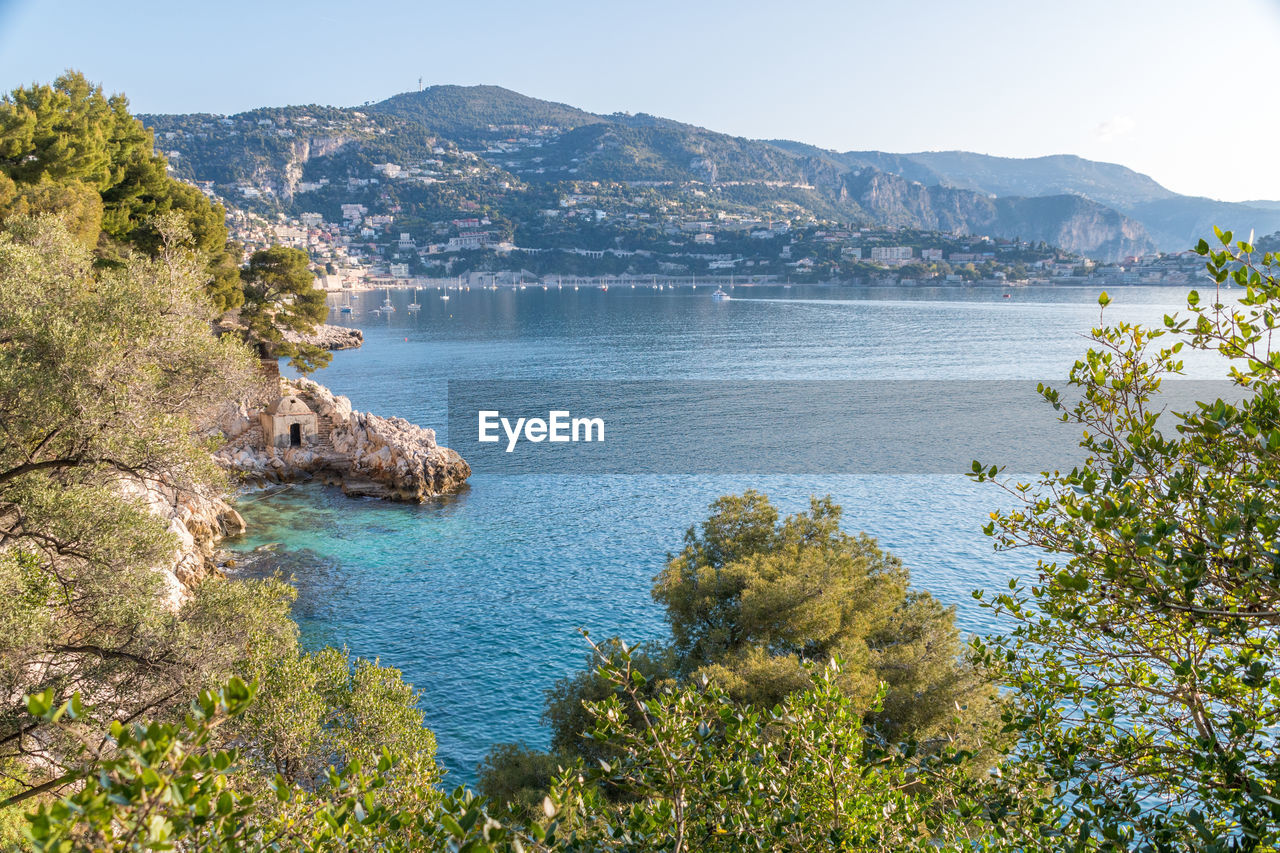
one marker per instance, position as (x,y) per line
(71,150)
(1141,675)
(754,604)
(808,697)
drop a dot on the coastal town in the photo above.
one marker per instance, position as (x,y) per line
(366,250)
(376,205)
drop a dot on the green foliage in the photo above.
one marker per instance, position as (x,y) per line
(754,603)
(695,770)
(1145,654)
(61,145)
(516,779)
(566,702)
(325,707)
(752,600)
(106,378)
(167,786)
(280,295)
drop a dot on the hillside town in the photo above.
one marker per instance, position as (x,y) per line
(363,250)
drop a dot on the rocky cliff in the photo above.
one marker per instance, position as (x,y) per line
(1069,221)
(328,337)
(199,521)
(364,454)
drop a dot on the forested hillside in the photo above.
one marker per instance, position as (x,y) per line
(518,150)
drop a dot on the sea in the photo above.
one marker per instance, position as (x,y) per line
(480,598)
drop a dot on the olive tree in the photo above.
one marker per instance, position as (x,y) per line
(1145,654)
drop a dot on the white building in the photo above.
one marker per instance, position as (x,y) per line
(890,253)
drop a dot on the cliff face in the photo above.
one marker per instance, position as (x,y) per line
(199,522)
(1075,223)
(364,454)
(300,152)
(1068,221)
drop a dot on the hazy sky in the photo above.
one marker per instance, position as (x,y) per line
(1183,91)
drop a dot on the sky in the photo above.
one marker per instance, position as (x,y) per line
(1181,91)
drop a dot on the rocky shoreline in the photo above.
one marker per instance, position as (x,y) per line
(198,521)
(328,337)
(365,455)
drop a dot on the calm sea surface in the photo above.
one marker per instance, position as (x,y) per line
(479,597)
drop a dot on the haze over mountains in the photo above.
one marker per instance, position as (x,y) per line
(526,146)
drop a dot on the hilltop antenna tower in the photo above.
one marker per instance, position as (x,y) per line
(419,84)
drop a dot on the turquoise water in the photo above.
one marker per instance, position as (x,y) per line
(479,597)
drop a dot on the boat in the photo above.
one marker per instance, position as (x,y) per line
(345,309)
(445,297)
(720,295)
(387,307)
(413,307)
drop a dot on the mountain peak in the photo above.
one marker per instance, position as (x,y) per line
(472,109)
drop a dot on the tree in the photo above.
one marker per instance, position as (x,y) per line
(106,376)
(61,142)
(751,601)
(280,295)
(701,774)
(1145,654)
(753,604)
(173,785)
(108,379)
(693,769)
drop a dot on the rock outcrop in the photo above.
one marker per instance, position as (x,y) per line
(328,337)
(198,521)
(364,454)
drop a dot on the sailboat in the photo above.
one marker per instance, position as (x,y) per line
(387,307)
(414,307)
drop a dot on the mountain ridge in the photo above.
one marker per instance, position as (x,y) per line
(531,143)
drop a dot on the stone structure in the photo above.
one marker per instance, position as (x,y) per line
(289,422)
(366,455)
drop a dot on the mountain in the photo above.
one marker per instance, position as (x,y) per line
(466,113)
(509,154)
(1174,221)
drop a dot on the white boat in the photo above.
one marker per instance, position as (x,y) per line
(387,307)
(445,297)
(720,295)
